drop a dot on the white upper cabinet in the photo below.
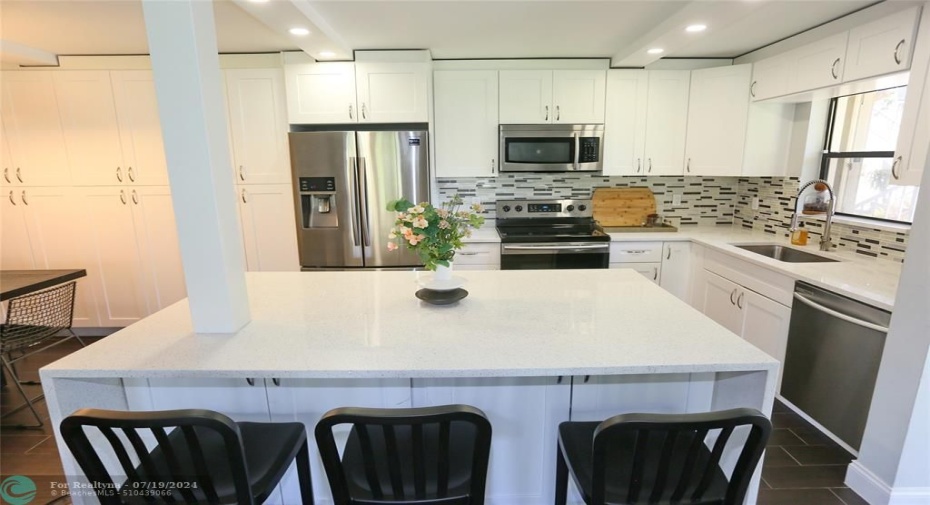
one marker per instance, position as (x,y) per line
(625,122)
(666,121)
(465,122)
(258,123)
(32,124)
(91,128)
(552,96)
(269,228)
(768,139)
(375,92)
(392,92)
(717,114)
(6,160)
(525,96)
(321,93)
(914,135)
(139,127)
(578,96)
(882,46)
(770,77)
(819,64)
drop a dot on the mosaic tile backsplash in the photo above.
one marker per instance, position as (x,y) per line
(776,204)
(704,201)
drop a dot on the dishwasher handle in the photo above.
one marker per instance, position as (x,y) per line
(839,315)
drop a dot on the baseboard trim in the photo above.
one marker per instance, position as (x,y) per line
(867,485)
(910,496)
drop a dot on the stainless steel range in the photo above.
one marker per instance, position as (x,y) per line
(550,234)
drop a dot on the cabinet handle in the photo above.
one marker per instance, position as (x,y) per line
(243,196)
(894,168)
(250,381)
(558,113)
(739,301)
(241,173)
(655,273)
(547,113)
(650,165)
(6,174)
(587,378)
(639,164)
(732,301)
(688,166)
(122,196)
(559,380)
(19,176)
(11,198)
(22,197)
(752,89)
(897,59)
(350,111)
(135,197)
(132,178)
(364,111)
(276,381)
(833,71)
(668,253)
(492,165)
(119,174)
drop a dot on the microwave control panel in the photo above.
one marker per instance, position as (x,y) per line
(590,149)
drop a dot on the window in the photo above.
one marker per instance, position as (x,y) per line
(859,153)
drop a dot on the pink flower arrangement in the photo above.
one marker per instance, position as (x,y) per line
(434,233)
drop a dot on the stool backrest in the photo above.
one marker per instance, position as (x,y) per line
(34,317)
(183,463)
(438,454)
(694,472)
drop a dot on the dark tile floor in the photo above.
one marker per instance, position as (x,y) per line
(802,466)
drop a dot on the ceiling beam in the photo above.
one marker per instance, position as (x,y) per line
(281,16)
(670,34)
(18,54)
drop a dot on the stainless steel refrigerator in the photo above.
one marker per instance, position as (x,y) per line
(343,181)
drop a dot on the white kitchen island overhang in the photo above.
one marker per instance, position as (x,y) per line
(530,348)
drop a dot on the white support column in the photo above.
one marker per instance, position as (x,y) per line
(182,42)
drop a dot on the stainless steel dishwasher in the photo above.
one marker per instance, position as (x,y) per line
(835,345)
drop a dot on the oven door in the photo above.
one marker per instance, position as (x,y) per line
(553,256)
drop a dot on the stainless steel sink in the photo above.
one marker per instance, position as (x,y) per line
(786,254)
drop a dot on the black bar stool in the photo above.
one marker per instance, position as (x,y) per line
(435,455)
(634,459)
(206,458)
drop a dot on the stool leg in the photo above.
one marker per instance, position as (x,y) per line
(561,477)
(303,474)
(15,379)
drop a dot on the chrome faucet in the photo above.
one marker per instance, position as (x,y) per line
(825,238)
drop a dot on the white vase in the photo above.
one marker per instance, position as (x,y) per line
(443,273)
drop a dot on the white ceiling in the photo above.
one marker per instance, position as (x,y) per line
(449,29)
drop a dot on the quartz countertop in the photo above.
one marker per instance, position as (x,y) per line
(487,233)
(369,324)
(868,280)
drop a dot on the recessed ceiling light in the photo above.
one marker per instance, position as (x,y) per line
(656,50)
(327,54)
(299,31)
(259,1)
(696,28)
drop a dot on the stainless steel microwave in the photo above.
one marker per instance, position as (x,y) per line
(551,148)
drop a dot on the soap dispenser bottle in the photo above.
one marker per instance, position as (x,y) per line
(799,236)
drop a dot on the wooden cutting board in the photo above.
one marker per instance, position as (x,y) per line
(623,206)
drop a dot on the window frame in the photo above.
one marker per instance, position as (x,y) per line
(827,156)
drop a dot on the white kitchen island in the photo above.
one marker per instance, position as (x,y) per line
(530,348)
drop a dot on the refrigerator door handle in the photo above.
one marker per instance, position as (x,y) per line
(353,209)
(363,199)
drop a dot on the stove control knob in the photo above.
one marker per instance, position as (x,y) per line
(519,208)
(506,208)
(582,208)
(570,208)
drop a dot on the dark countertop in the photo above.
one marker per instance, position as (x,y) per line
(15,283)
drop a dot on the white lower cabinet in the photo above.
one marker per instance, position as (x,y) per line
(644,257)
(676,269)
(525,413)
(306,400)
(269,229)
(16,252)
(156,233)
(759,320)
(651,271)
(479,256)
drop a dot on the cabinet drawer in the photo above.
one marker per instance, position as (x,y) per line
(635,252)
(478,253)
(651,271)
(766,282)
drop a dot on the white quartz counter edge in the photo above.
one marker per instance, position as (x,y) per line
(487,233)
(868,280)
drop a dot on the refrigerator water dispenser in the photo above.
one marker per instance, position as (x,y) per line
(318,202)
